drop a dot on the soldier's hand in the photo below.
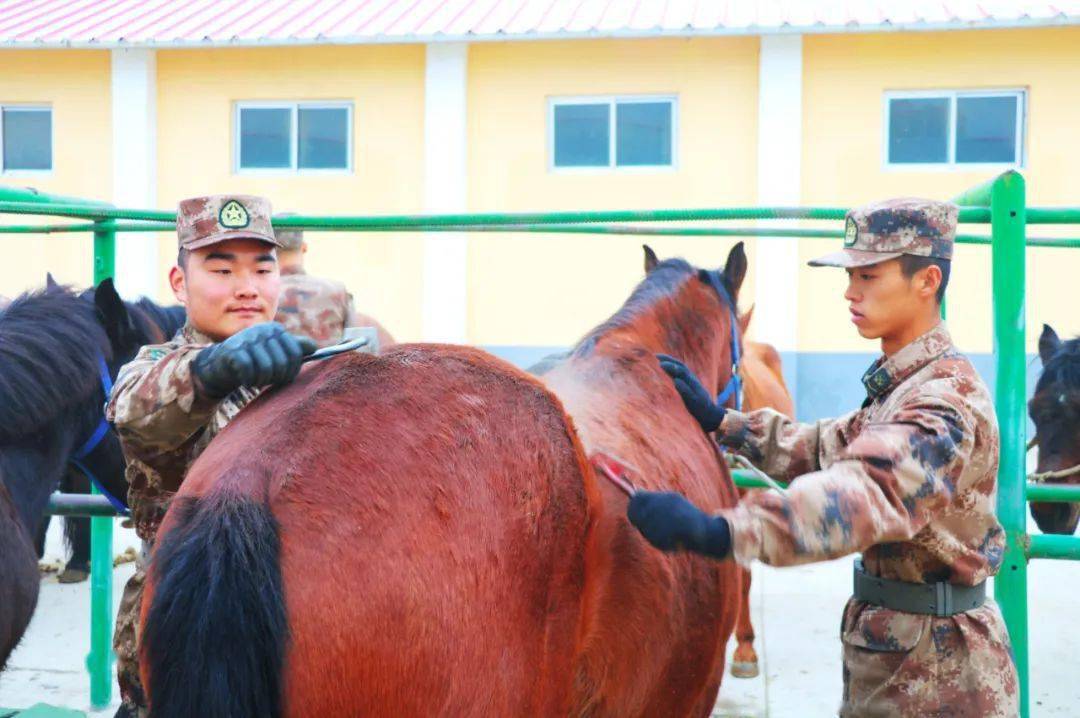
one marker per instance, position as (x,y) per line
(695,396)
(669,522)
(262,355)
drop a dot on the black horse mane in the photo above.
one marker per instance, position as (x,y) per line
(1063,369)
(663,281)
(48,333)
(168,319)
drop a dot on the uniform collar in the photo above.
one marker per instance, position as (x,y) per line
(190,335)
(887,373)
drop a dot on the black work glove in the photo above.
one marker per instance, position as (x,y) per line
(261,355)
(699,402)
(669,522)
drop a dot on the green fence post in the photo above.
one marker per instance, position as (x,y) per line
(1008,219)
(99,661)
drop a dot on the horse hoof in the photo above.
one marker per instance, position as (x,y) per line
(73,575)
(744,669)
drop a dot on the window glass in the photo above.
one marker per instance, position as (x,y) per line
(986,129)
(643,133)
(27,138)
(324,138)
(582,135)
(918,130)
(265,134)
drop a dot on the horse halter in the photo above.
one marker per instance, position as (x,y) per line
(1044,476)
(78,458)
(733,388)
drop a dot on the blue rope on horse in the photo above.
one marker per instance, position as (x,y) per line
(95,439)
(733,389)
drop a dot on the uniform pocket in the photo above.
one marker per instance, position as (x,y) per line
(874,628)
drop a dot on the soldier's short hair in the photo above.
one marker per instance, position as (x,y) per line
(910,264)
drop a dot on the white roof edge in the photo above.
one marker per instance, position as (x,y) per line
(1017,23)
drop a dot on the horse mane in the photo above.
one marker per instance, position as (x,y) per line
(1063,369)
(168,319)
(662,282)
(48,333)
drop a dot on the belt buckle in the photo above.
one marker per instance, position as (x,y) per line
(943,599)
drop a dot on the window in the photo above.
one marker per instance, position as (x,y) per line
(952,129)
(612,132)
(288,137)
(26,136)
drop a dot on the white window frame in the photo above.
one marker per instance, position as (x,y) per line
(612,101)
(294,137)
(952,95)
(52,140)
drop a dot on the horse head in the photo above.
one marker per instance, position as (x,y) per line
(698,319)
(1055,409)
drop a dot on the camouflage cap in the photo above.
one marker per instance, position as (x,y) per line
(885,230)
(288,238)
(202,221)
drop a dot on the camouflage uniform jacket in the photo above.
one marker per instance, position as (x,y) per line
(910,479)
(164,424)
(314,307)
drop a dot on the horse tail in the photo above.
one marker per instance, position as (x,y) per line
(214,637)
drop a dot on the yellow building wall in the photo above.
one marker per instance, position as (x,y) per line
(548,290)
(197,94)
(76,84)
(844,81)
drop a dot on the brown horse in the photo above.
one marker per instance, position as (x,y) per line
(420,533)
(763,387)
(1055,410)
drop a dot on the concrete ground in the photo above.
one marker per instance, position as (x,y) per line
(796,614)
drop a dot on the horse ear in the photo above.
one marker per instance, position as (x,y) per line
(735,267)
(651,260)
(744,319)
(1049,343)
(50,283)
(114,315)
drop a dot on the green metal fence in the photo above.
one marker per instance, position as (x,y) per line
(1000,202)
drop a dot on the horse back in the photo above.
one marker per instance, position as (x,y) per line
(672,612)
(433,513)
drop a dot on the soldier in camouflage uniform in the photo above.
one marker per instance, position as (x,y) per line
(313,306)
(172,399)
(909,480)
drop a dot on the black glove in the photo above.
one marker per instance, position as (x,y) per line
(261,355)
(699,402)
(669,522)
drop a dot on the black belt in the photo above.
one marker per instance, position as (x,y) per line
(934,599)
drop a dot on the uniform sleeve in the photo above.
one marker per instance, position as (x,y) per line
(778,445)
(884,486)
(154,404)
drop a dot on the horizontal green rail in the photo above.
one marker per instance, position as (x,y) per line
(606,229)
(85,227)
(1052,492)
(32,196)
(1053,546)
(408,221)
(748,480)
(80,505)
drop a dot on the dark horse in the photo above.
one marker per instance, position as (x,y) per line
(1055,410)
(421,532)
(155,324)
(52,344)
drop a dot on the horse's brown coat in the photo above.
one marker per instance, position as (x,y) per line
(446,548)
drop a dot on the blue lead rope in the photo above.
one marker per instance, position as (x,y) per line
(92,443)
